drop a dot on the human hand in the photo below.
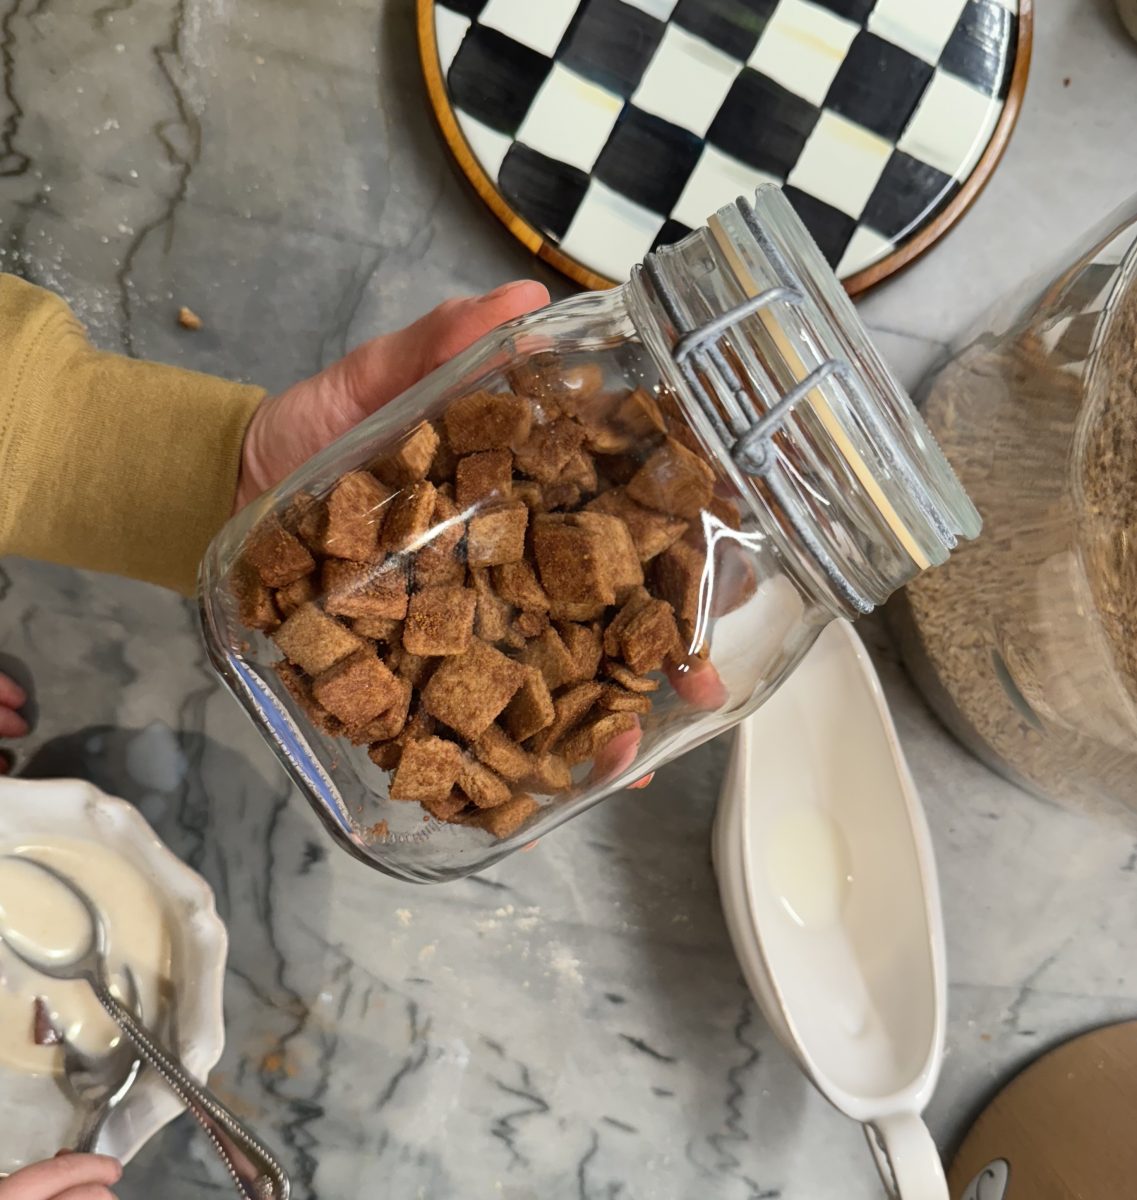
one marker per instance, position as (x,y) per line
(286,430)
(65,1177)
(12,725)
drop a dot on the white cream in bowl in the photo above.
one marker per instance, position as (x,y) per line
(47,922)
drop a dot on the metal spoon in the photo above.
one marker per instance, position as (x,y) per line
(100,1083)
(253,1168)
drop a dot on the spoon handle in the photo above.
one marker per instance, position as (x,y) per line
(252,1167)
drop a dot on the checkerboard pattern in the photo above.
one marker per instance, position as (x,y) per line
(1099,285)
(614,126)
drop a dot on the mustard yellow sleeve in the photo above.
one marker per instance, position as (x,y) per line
(106,462)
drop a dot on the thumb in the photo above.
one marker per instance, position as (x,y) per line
(381,369)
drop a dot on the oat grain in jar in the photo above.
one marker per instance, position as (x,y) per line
(599,537)
(1026,642)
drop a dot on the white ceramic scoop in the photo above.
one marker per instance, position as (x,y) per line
(828,884)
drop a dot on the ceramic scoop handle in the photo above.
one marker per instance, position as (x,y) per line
(907,1158)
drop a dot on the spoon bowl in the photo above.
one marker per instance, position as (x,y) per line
(89,962)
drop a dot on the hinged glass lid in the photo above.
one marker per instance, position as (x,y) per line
(785,377)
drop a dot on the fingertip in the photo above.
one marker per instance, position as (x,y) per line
(699,684)
(12,725)
(11,694)
(527,294)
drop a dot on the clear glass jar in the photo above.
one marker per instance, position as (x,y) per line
(597,538)
(1026,642)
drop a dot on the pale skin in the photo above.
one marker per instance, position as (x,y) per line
(65,1177)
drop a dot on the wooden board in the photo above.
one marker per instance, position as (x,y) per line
(1066,1127)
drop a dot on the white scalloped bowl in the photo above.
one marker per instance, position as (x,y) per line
(35,1115)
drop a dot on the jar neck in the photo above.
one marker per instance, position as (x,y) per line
(757,339)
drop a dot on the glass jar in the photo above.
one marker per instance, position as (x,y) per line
(597,538)
(1026,642)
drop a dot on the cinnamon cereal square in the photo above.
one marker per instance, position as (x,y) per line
(531,708)
(548,450)
(380,629)
(409,518)
(428,770)
(617,699)
(502,754)
(549,655)
(314,641)
(357,689)
(571,707)
(410,461)
(493,617)
(626,678)
(484,788)
(389,723)
(587,742)
(412,667)
(549,774)
(551,379)
(255,605)
(651,532)
(614,630)
(469,690)
(447,809)
(439,560)
(440,620)
(622,563)
(649,637)
(358,590)
(559,497)
(488,421)
(485,475)
(572,562)
(497,536)
(678,578)
(580,472)
(299,687)
(356,510)
(517,583)
(673,480)
(640,415)
(298,592)
(529,492)
(583,643)
(276,555)
(505,819)
(527,625)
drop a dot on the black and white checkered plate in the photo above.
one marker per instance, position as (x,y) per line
(612,126)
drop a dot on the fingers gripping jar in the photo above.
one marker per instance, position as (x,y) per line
(597,538)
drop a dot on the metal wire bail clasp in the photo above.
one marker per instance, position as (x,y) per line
(746,433)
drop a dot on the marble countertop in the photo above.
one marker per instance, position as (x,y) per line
(573,1023)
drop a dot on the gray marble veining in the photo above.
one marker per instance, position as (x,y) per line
(573,1023)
